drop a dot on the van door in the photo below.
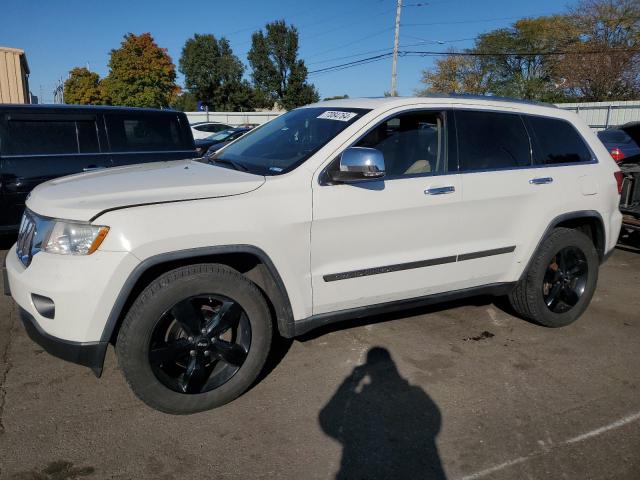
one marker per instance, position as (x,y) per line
(41,147)
(141,137)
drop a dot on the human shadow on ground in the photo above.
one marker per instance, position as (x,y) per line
(387,427)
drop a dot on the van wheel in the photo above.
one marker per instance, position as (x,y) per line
(196,338)
(560,281)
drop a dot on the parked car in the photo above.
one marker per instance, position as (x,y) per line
(213,143)
(42,142)
(336,210)
(619,143)
(630,167)
(205,129)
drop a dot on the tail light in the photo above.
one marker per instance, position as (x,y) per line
(617,154)
(619,177)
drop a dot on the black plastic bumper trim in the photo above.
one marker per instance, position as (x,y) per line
(89,354)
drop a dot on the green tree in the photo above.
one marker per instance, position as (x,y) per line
(83,88)
(511,62)
(214,74)
(279,77)
(141,74)
(185,102)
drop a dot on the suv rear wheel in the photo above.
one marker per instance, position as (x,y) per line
(560,281)
(196,338)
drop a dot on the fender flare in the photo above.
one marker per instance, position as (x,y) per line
(284,314)
(578,214)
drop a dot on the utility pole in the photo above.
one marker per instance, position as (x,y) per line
(394,66)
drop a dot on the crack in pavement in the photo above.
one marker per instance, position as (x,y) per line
(4,360)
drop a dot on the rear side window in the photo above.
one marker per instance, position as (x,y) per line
(51,137)
(137,133)
(556,142)
(30,137)
(491,141)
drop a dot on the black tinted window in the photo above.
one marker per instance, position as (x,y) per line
(131,133)
(491,140)
(412,143)
(556,141)
(29,137)
(87,137)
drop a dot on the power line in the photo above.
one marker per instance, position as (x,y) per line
(479,20)
(413,53)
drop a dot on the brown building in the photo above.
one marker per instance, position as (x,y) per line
(14,76)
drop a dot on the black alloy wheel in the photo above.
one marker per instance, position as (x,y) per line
(565,279)
(200,343)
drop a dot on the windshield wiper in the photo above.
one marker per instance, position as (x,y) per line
(224,161)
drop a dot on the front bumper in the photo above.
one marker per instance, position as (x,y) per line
(89,354)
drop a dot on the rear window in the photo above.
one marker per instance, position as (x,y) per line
(50,137)
(556,142)
(491,141)
(616,137)
(138,133)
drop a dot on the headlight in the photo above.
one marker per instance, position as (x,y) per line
(69,238)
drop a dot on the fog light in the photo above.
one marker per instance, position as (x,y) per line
(44,305)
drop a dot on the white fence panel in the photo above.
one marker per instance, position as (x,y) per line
(601,115)
(232,118)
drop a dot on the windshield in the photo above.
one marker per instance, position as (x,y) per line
(288,140)
(220,136)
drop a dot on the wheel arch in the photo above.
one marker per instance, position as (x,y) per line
(249,260)
(589,222)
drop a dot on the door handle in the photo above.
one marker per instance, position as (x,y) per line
(440,190)
(541,181)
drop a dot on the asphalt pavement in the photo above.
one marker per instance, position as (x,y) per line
(462,390)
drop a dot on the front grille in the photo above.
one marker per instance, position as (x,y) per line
(33,231)
(26,236)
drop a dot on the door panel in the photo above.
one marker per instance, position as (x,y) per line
(383,241)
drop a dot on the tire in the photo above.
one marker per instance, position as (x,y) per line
(535,290)
(176,384)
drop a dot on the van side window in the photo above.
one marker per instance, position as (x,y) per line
(33,137)
(556,141)
(87,137)
(412,143)
(491,140)
(137,133)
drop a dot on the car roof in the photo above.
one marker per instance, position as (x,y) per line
(64,107)
(390,102)
(207,123)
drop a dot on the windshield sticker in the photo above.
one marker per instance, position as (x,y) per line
(335,115)
(275,169)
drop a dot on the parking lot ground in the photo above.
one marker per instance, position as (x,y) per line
(457,391)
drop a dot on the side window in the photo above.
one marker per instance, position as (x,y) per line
(412,143)
(33,137)
(556,141)
(137,133)
(491,140)
(87,137)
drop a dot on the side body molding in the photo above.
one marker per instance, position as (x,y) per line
(282,304)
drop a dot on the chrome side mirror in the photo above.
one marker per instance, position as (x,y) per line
(358,164)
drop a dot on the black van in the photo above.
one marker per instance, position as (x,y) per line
(41,142)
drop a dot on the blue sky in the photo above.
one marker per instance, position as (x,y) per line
(58,36)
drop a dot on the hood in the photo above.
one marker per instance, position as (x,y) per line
(83,196)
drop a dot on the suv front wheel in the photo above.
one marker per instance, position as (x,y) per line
(196,338)
(560,281)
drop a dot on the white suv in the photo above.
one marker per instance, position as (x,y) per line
(332,211)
